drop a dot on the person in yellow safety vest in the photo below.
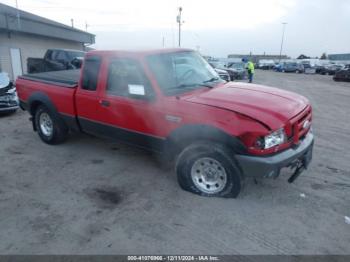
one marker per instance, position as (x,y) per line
(250,68)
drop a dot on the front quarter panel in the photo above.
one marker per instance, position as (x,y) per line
(180,114)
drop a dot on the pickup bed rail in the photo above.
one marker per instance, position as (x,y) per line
(65,78)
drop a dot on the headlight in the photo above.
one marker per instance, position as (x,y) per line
(276,138)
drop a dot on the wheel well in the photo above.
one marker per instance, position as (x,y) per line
(33,107)
(37,99)
(184,136)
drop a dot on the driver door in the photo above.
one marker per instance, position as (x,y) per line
(135,118)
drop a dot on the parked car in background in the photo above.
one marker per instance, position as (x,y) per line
(279,67)
(223,74)
(220,65)
(240,70)
(266,64)
(8,96)
(56,60)
(331,69)
(309,68)
(320,69)
(343,74)
(292,67)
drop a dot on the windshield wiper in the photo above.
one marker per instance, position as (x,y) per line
(212,80)
(192,85)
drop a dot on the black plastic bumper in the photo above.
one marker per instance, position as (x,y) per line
(270,166)
(8,102)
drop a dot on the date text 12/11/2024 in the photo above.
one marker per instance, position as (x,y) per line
(173,258)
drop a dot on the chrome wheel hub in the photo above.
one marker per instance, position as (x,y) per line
(208,175)
(46,125)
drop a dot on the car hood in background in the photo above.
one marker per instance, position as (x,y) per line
(272,106)
(221,71)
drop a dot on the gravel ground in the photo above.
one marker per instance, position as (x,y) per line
(90,196)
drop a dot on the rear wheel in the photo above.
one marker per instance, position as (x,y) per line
(50,128)
(208,169)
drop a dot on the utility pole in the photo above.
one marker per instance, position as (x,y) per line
(18,16)
(86,26)
(72,22)
(178,18)
(283,31)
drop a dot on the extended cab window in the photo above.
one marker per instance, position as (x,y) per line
(122,74)
(90,73)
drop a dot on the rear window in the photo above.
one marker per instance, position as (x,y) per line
(90,73)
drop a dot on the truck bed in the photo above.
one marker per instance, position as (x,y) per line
(65,78)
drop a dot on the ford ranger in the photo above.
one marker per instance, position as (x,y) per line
(171,101)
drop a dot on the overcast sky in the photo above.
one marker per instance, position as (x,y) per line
(215,27)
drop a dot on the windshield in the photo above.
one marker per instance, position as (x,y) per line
(181,71)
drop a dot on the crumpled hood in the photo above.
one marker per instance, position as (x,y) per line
(271,106)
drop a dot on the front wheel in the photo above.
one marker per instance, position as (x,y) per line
(208,169)
(50,128)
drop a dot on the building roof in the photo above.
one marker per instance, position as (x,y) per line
(339,56)
(15,20)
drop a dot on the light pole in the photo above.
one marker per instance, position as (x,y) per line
(284,28)
(178,19)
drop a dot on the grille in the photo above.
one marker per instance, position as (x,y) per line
(299,131)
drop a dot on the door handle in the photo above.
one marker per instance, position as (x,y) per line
(104,103)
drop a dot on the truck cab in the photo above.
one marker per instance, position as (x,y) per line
(171,101)
(56,60)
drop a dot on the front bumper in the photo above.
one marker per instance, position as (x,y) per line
(9,101)
(270,166)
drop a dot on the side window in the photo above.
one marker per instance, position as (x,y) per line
(90,73)
(49,54)
(123,73)
(61,56)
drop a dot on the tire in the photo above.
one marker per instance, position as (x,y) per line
(51,129)
(208,169)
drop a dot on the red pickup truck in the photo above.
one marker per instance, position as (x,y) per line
(172,102)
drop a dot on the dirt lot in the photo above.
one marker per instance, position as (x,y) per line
(89,196)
